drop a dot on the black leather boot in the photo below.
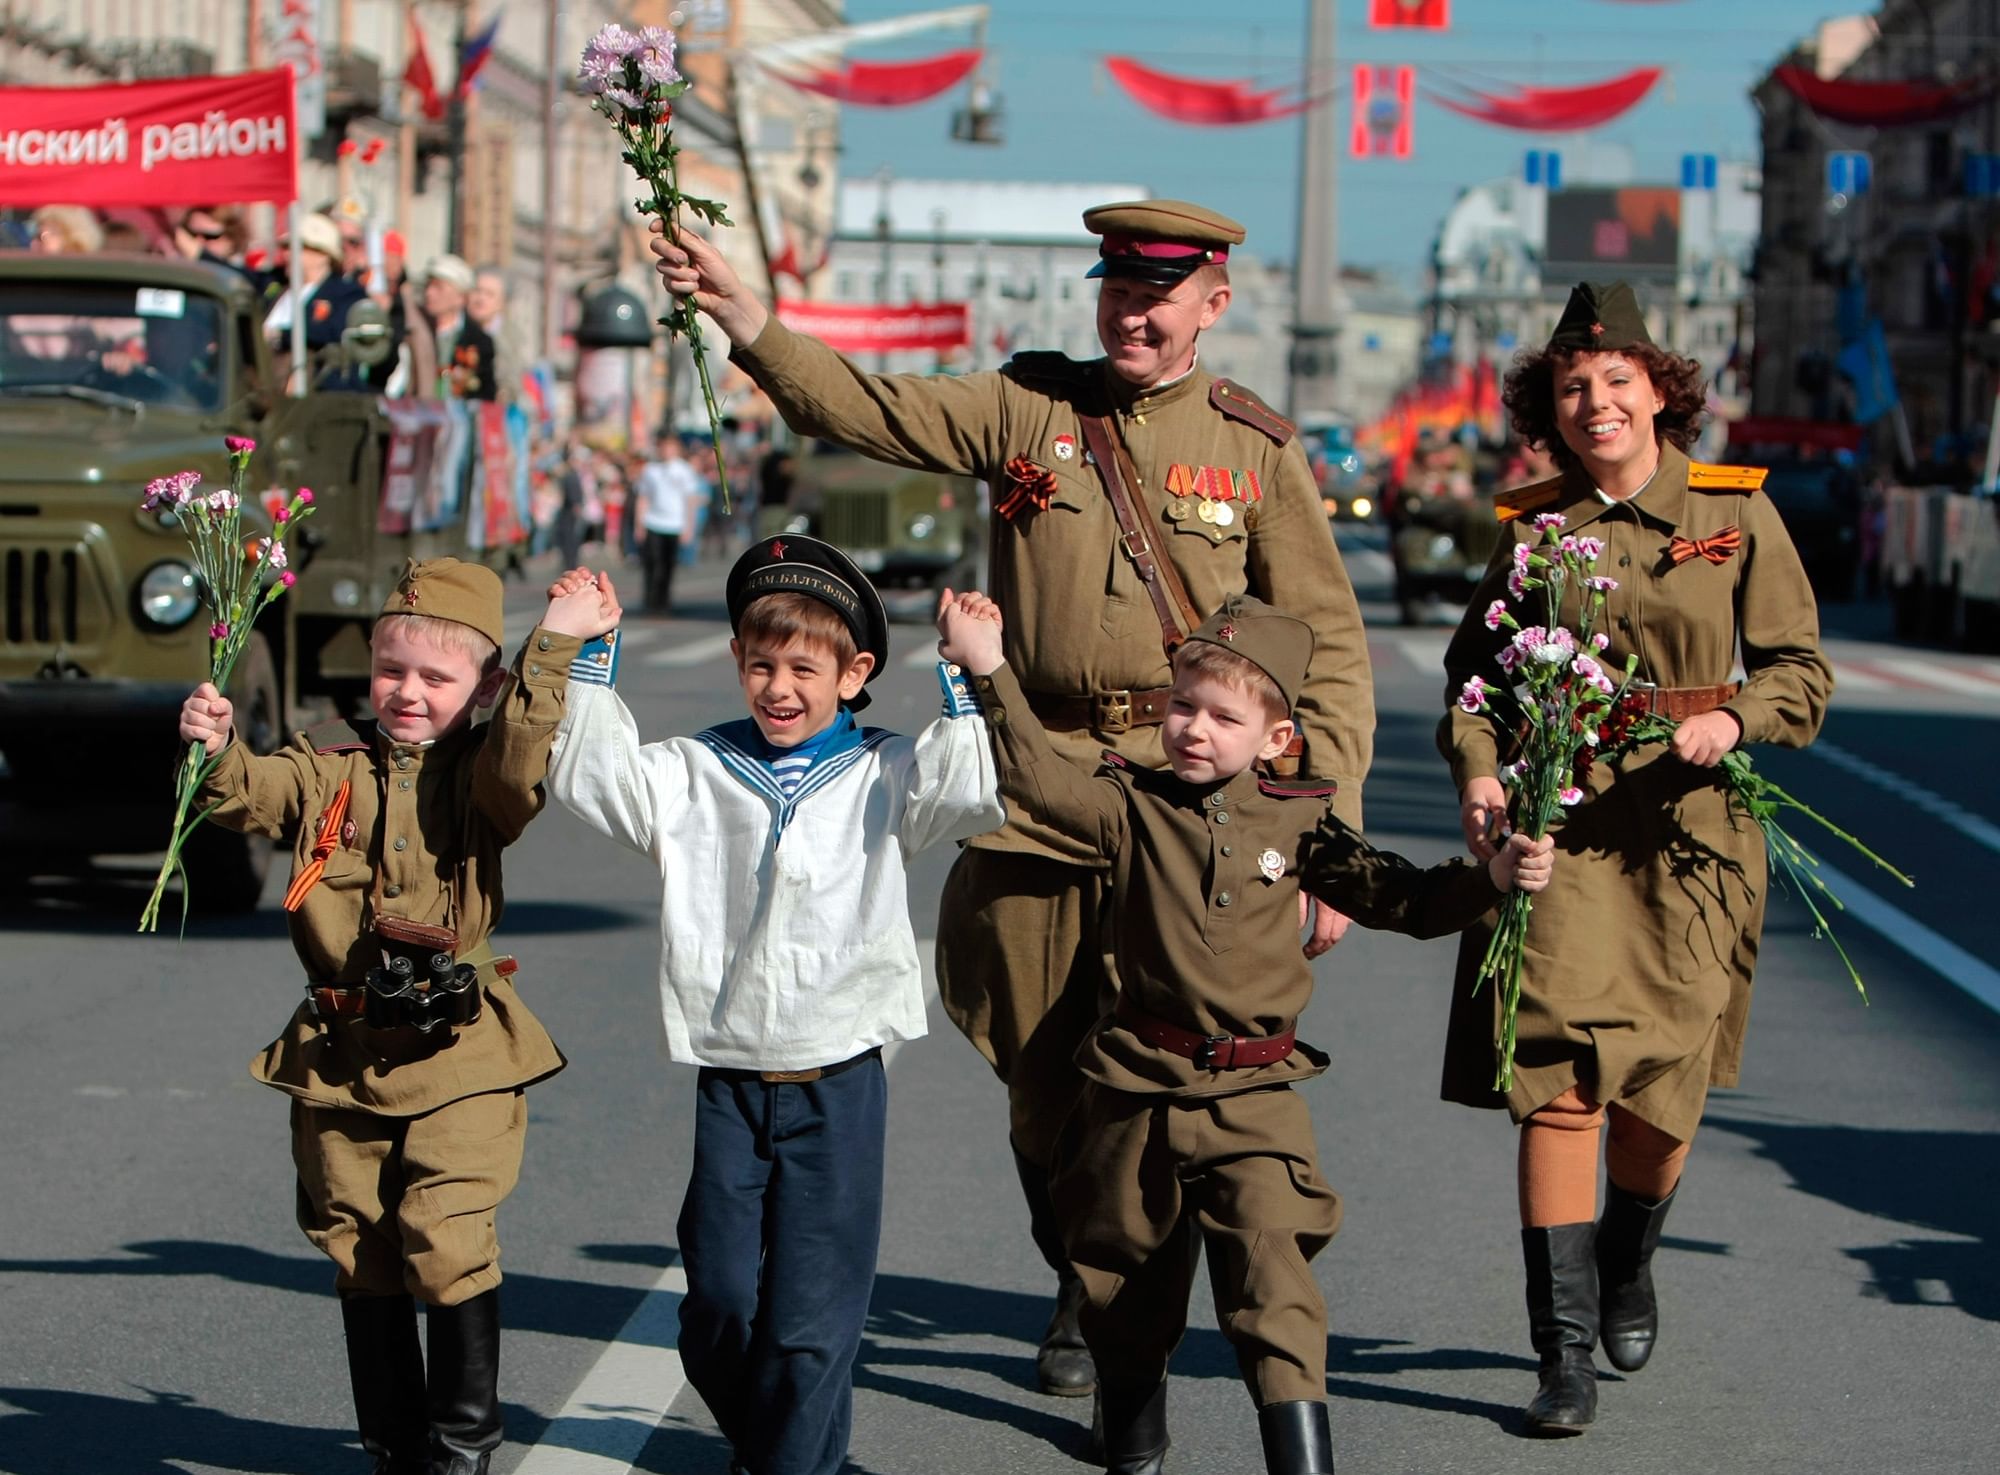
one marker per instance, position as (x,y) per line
(465,1385)
(385,1365)
(1562,1320)
(1627,1235)
(1135,1429)
(1063,1365)
(1298,1440)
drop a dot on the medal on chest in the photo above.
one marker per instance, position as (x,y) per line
(1271,866)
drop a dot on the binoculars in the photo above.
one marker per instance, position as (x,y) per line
(447,995)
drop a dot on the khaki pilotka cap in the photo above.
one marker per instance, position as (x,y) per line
(446,589)
(1601,317)
(1159,241)
(1279,645)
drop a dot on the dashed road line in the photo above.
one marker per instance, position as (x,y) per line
(1930,948)
(1980,831)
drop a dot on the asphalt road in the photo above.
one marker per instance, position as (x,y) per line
(1830,1300)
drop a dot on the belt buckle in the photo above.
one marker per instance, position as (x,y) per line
(1205,1052)
(790,1077)
(1113,711)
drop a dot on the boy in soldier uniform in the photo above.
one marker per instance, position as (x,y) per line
(1185,1122)
(787,963)
(408,1058)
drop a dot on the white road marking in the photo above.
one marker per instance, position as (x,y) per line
(922,658)
(689,652)
(1930,948)
(615,1409)
(1973,827)
(1853,678)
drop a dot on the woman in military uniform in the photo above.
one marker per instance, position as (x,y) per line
(1636,989)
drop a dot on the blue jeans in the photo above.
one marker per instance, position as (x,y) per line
(779,1233)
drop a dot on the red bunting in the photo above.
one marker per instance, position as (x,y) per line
(1202,103)
(889,84)
(1410,15)
(1557,109)
(1881,104)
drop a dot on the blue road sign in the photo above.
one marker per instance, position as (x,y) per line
(1543,167)
(1848,172)
(1698,171)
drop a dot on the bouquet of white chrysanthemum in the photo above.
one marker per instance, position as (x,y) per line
(237,578)
(633,81)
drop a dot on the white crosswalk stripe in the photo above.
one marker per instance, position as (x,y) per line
(689,652)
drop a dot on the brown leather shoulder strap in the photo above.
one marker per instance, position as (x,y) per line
(1139,533)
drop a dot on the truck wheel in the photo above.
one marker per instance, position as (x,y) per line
(226,870)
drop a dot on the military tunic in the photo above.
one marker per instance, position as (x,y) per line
(405,1143)
(1204,884)
(1641,952)
(1018,970)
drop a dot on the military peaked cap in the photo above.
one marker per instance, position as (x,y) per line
(1601,317)
(445,589)
(1278,644)
(792,563)
(1159,241)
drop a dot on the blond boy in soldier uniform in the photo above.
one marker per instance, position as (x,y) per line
(1185,1120)
(408,1058)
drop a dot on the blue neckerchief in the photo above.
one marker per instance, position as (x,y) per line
(836,737)
(742,750)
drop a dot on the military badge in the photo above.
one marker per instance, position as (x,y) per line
(1271,865)
(1065,447)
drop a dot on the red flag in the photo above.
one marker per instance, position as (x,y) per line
(417,74)
(1410,15)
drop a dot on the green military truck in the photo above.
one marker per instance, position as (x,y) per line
(115,370)
(904,529)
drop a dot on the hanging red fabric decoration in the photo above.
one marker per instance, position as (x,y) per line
(1557,109)
(1410,15)
(1203,103)
(889,84)
(1881,104)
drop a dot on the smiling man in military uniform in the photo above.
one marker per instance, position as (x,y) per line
(1132,495)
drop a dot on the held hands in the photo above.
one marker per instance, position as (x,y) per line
(205,718)
(969,631)
(582,604)
(692,267)
(1327,926)
(1703,740)
(1482,814)
(1523,864)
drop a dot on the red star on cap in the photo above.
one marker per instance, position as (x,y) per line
(1227,632)
(777,550)
(410,595)
(1597,330)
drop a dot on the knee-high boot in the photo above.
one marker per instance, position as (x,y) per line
(1627,1235)
(1562,1320)
(1298,1439)
(1063,1365)
(465,1384)
(385,1365)
(1134,1422)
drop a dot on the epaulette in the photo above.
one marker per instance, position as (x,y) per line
(1239,403)
(1515,501)
(1703,477)
(1043,366)
(341,736)
(1113,760)
(1297,788)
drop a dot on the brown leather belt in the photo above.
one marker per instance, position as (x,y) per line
(1208,1052)
(350,1000)
(1678,703)
(796,1077)
(1107,711)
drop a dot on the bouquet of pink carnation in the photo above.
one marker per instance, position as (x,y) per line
(237,578)
(633,81)
(1575,713)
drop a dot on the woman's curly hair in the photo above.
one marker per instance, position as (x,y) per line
(1530,396)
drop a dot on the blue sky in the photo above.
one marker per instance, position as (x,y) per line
(1066,119)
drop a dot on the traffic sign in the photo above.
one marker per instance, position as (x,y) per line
(1698,171)
(1543,167)
(1849,172)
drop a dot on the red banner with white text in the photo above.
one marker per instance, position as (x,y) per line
(181,142)
(876,328)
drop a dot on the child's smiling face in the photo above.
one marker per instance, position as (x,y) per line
(795,689)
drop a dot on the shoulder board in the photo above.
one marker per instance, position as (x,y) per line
(1703,477)
(1113,760)
(1515,501)
(1297,788)
(1239,403)
(341,736)
(1043,366)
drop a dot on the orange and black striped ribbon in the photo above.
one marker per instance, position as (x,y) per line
(330,825)
(1716,549)
(1028,484)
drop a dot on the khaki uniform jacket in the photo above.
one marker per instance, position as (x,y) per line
(1205,885)
(1641,952)
(425,829)
(1079,620)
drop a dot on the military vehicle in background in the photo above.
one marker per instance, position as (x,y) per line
(904,529)
(115,370)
